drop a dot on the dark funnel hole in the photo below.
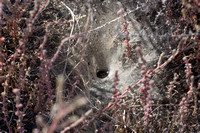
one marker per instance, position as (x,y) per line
(102,73)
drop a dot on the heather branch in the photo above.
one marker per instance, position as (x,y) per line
(125,29)
(18,112)
(115,89)
(44,77)
(146,97)
(184,104)
(155,70)
(2,60)
(21,83)
(36,4)
(62,43)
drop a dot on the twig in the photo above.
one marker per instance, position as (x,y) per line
(77,121)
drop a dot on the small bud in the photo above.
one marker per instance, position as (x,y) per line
(138,49)
(36,131)
(19,128)
(19,105)
(119,12)
(192,78)
(3,94)
(185,58)
(143,72)
(2,39)
(151,82)
(143,67)
(17,113)
(16,91)
(6,83)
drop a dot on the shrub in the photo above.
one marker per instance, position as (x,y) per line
(99,66)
